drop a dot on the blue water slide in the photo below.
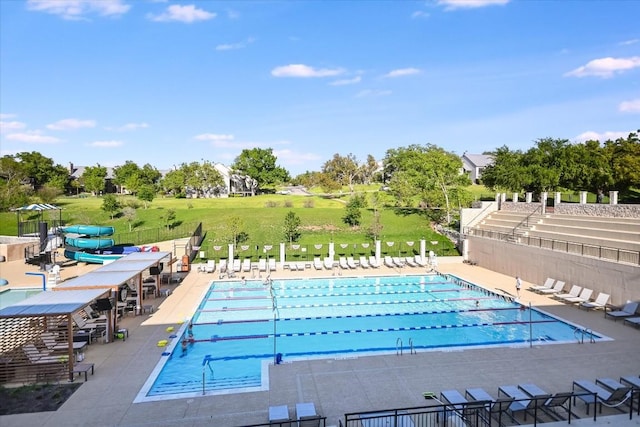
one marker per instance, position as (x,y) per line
(89,257)
(89,230)
(84,243)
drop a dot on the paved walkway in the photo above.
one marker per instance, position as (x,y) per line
(336,386)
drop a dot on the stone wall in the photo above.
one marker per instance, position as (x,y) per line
(534,265)
(595,209)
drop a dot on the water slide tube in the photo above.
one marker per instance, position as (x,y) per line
(89,257)
(86,243)
(89,230)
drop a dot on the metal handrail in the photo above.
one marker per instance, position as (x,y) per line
(556,245)
(526,220)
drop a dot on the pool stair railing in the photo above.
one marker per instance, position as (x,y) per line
(400,347)
(580,333)
(206,363)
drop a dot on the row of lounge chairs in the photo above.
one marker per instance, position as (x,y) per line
(630,312)
(522,400)
(305,416)
(237,266)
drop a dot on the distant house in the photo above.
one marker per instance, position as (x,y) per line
(75,172)
(474,164)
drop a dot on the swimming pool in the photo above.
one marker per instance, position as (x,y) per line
(11,296)
(239,329)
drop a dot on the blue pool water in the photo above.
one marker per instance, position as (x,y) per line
(236,336)
(11,296)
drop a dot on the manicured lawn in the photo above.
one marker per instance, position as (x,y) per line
(261,218)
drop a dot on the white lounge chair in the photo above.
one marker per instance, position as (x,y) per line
(351,262)
(373,262)
(601,301)
(223,265)
(262,264)
(237,266)
(272,264)
(573,292)
(584,296)
(343,263)
(418,260)
(246,265)
(410,262)
(328,263)
(398,262)
(629,310)
(548,284)
(363,262)
(557,288)
(301,266)
(211,266)
(317,263)
(388,261)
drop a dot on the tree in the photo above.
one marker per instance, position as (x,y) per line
(260,164)
(174,182)
(506,172)
(624,156)
(110,204)
(342,169)
(352,215)
(234,226)
(127,176)
(48,193)
(94,178)
(40,170)
(292,227)
(368,170)
(169,218)
(146,193)
(424,174)
(376,226)
(129,214)
(13,189)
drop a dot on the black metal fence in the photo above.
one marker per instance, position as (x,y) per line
(305,422)
(153,235)
(582,249)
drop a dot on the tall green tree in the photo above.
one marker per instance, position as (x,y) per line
(425,174)
(506,172)
(292,227)
(110,204)
(260,164)
(368,170)
(146,193)
(127,176)
(624,155)
(94,178)
(41,170)
(14,191)
(342,169)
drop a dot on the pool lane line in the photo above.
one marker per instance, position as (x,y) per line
(355,294)
(373,330)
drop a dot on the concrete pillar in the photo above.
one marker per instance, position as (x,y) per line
(503,197)
(332,250)
(230,260)
(465,250)
(528,197)
(378,250)
(423,249)
(283,255)
(557,199)
(543,201)
(583,197)
(498,197)
(613,197)
(515,197)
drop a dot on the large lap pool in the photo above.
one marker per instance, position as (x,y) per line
(240,328)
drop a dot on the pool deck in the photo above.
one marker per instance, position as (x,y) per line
(336,386)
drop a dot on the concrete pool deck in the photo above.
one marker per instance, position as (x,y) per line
(336,386)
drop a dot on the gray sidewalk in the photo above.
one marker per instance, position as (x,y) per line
(336,386)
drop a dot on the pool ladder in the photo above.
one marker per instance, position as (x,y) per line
(582,332)
(400,347)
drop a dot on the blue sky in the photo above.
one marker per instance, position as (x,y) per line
(166,82)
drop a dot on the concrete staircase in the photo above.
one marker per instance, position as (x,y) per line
(617,233)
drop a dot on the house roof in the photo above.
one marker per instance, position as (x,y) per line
(478,160)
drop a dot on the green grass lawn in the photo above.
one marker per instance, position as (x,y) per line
(261,218)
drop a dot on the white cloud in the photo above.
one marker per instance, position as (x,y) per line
(604,136)
(629,42)
(233,46)
(11,126)
(470,4)
(345,82)
(5,116)
(79,9)
(33,137)
(419,14)
(71,124)
(371,92)
(605,67)
(301,70)
(214,137)
(187,14)
(632,106)
(129,127)
(106,144)
(401,72)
